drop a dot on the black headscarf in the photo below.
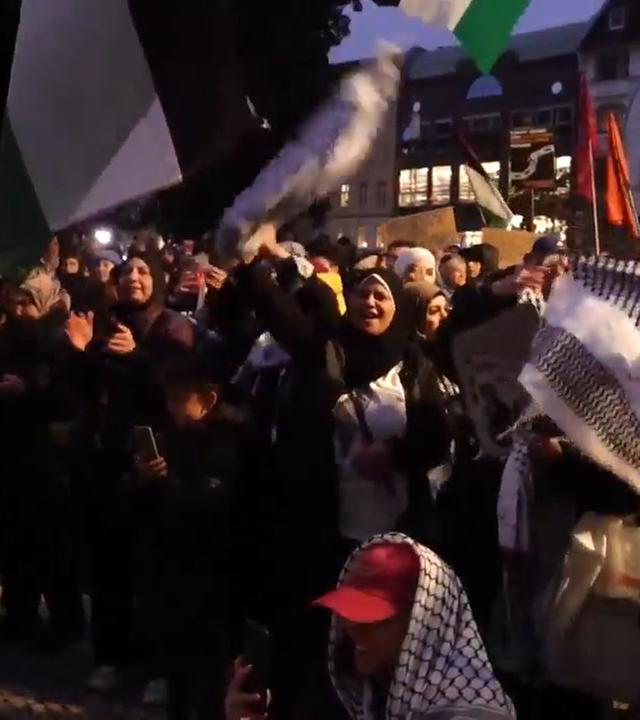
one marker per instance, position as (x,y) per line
(486,254)
(368,357)
(139,318)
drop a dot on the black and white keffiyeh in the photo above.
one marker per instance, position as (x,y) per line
(584,371)
(443,671)
(516,486)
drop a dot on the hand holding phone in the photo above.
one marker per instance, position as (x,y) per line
(144,442)
(257,654)
(239,703)
(149,463)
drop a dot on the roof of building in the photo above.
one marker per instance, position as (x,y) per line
(530,46)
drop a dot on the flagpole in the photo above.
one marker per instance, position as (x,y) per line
(533,210)
(596,226)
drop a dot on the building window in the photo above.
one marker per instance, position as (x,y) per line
(465,191)
(482,124)
(544,118)
(364,194)
(441,184)
(563,115)
(612,65)
(560,115)
(618,18)
(381,194)
(563,175)
(414,186)
(522,119)
(345,195)
(443,133)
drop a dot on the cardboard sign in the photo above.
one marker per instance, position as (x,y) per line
(513,244)
(489,359)
(433,229)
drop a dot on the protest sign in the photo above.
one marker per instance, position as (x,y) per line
(489,359)
(434,229)
(512,244)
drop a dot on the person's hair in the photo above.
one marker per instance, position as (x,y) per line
(189,371)
(323,247)
(399,244)
(73,255)
(455,260)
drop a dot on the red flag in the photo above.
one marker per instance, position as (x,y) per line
(587,145)
(621,209)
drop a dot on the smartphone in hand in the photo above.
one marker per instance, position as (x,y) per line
(257,653)
(144,443)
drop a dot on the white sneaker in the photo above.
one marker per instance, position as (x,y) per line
(155,693)
(103,679)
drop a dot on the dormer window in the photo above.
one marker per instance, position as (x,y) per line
(618,18)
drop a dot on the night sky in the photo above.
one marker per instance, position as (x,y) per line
(376,23)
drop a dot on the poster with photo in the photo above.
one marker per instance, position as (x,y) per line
(489,359)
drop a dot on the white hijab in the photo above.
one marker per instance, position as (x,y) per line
(412,256)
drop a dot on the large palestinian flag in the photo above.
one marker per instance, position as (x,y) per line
(482,26)
(109,101)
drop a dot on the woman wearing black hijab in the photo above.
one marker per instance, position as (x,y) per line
(360,423)
(121,354)
(369,369)
(141,306)
(390,427)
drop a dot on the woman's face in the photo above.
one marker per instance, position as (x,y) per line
(71,266)
(473,268)
(376,646)
(420,271)
(437,313)
(371,307)
(103,271)
(136,282)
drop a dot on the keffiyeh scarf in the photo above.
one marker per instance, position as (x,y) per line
(517,477)
(584,374)
(584,371)
(443,671)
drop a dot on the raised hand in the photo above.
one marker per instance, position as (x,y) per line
(79,329)
(121,342)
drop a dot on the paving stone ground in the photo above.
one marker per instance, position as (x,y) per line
(54,686)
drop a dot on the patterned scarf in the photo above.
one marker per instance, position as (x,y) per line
(584,371)
(516,487)
(443,671)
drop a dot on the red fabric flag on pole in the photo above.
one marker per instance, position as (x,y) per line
(587,145)
(621,209)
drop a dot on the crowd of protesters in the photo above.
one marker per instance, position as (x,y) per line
(298,404)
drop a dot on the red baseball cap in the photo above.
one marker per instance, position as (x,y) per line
(380,584)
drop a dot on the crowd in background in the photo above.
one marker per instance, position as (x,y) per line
(301,402)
